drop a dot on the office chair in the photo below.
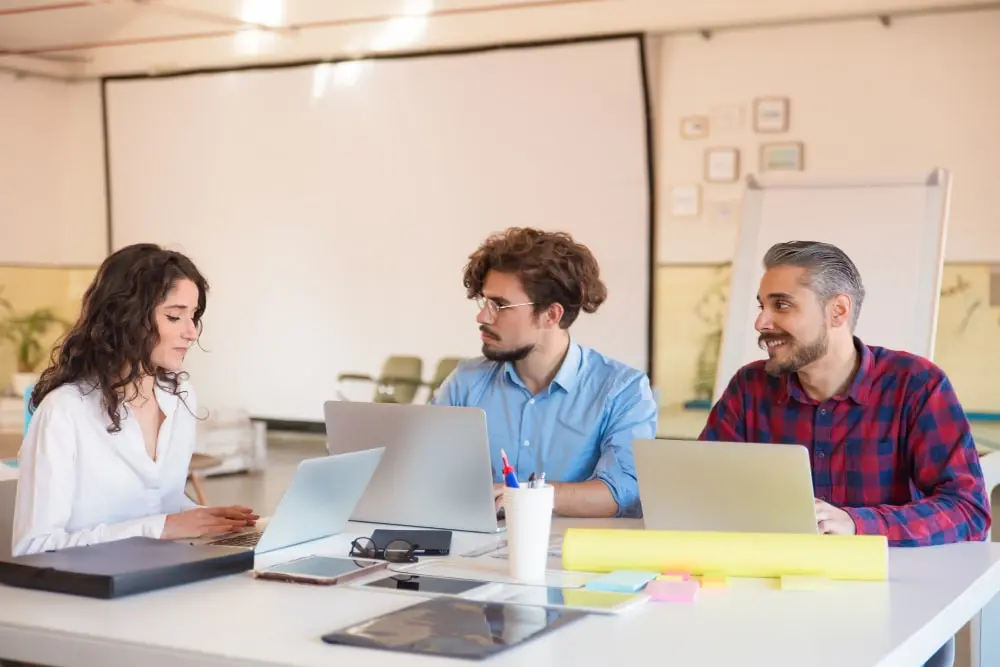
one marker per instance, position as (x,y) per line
(199,462)
(444,368)
(400,379)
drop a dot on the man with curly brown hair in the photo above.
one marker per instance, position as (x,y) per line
(553,405)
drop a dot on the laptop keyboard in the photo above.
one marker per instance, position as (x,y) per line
(249,539)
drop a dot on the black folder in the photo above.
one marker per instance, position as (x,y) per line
(123,567)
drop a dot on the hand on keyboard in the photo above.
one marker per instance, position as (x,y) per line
(207,521)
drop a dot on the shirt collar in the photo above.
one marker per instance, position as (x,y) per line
(858,391)
(166,400)
(568,375)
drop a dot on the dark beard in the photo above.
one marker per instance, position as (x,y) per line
(507,355)
(802,357)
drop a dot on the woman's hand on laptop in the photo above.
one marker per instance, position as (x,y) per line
(207,521)
(833,520)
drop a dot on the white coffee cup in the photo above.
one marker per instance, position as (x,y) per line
(529,521)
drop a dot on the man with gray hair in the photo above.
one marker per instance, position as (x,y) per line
(878,422)
(892,451)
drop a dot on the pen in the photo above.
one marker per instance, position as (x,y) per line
(540,482)
(510,478)
(531,481)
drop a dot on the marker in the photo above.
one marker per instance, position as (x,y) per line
(531,481)
(540,483)
(510,478)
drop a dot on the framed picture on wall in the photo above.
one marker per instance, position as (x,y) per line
(722,165)
(782,156)
(770,114)
(685,201)
(694,127)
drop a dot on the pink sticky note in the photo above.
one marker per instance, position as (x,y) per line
(662,590)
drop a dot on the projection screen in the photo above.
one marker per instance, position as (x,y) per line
(332,207)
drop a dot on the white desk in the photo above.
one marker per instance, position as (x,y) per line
(239,621)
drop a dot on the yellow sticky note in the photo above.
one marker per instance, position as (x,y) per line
(714,580)
(672,576)
(798,582)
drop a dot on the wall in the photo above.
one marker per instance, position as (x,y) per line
(52,208)
(866,101)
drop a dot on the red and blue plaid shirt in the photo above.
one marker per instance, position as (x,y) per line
(896,452)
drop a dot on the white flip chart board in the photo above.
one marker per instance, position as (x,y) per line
(893,231)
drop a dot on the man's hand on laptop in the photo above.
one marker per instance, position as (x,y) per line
(833,520)
(207,521)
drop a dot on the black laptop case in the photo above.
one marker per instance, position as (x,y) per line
(123,567)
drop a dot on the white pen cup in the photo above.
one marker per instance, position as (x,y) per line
(529,522)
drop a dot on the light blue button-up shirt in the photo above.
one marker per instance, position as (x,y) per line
(579,428)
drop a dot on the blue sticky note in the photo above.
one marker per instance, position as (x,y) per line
(621,581)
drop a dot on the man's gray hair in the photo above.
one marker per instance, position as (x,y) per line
(829,270)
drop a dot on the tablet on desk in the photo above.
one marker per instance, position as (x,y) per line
(454,628)
(598,602)
(434,586)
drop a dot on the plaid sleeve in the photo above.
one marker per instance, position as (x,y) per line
(952,504)
(725,421)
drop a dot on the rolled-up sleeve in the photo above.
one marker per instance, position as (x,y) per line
(632,415)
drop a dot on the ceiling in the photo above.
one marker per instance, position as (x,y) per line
(87,39)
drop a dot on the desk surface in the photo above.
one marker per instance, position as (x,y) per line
(241,621)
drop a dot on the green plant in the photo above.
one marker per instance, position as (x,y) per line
(25,332)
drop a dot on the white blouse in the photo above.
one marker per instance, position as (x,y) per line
(81,485)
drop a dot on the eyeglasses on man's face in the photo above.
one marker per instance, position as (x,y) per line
(492,309)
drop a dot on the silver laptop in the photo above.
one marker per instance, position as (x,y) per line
(318,503)
(725,486)
(435,472)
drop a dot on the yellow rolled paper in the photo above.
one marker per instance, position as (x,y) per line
(851,557)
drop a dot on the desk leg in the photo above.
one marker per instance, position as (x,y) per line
(985,636)
(984,628)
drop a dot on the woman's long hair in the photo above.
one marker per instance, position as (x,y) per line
(109,347)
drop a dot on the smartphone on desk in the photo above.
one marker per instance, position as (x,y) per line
(324,570)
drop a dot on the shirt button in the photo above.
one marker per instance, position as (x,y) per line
(527,443)
(822,411)
(820,454)
(531,401)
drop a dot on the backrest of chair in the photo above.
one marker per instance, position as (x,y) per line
(27,407)
(444,368)
(8,492)
(398,367)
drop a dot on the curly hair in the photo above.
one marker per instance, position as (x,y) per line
(552,267)
(109,347)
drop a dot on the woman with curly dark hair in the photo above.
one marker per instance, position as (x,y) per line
(113,422)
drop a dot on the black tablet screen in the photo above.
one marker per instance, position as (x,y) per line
(454,627)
